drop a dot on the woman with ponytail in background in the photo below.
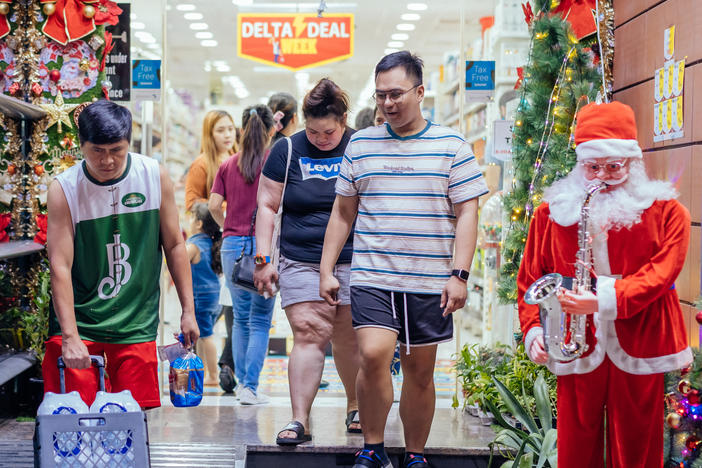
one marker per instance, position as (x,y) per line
(203,251)
(237,183)
(284,108)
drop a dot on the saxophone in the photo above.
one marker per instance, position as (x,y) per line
(564,334)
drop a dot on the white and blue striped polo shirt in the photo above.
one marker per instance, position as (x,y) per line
(407,187)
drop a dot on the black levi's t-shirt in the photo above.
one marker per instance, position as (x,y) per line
(309,195)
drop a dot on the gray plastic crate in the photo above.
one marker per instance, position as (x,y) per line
(92,440)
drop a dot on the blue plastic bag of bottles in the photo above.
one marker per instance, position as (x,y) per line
(186,375)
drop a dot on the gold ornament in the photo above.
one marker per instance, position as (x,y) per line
(84,64)
(4,8)
(673,419)
(89,11)
(684,386)
(49,9)
(58,112)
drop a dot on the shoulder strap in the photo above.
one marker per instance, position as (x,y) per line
(287,169)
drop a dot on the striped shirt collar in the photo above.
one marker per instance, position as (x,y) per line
(408,137)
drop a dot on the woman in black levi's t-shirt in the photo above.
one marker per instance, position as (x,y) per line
(315,161)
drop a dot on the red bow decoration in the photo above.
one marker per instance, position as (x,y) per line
(5,23)
(580,14)
(520,79)
(40,238)
(68,22)
(109,45)
(528,13)
(4,222)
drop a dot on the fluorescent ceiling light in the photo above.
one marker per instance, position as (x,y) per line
(147,39)
(400,37)
(405,17)
(224,68)
(390,51)
(234,81)
(242,2)
(202,26)
(194,16)
(153,45)
(137,25)
(296,6)
(208,43)
(186,7)
(204,35)
(417,6)
(220,63)
(242,93)
(400,27)
(396,44)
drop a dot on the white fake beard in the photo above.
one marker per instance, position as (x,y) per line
(617,208)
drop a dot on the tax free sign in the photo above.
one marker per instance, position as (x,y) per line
(294,41)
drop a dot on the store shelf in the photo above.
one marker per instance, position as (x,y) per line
(18,109)
(477,135)
(469,109)
(18,248)
(451,88)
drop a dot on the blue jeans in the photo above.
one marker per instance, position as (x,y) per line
(252,318)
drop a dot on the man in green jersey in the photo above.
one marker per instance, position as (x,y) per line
(109,217)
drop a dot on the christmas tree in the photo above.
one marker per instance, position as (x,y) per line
(561,76)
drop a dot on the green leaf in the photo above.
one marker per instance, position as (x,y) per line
(543,403)
(454,404)
(527,461)
(514,407)
(501,421)
(508,439)
(547,448)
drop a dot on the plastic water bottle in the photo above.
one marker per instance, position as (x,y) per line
(115,444)
(68,446)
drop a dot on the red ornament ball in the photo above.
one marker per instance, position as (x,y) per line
(39,170)
(694,397)
(684,371)
(684,387)
(692,442)
(698,317)
(673,420)
(54,75)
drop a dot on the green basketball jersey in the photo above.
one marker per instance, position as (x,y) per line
(117,253)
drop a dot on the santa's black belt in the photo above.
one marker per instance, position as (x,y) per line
(568,283)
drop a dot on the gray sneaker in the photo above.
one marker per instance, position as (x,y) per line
(248,397)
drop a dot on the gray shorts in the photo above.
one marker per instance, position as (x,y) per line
(299,282)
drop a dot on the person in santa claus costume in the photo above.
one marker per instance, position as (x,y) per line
(636,331)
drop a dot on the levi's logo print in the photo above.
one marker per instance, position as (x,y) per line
(327,168)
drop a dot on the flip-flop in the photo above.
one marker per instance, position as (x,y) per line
(298,429)
(352,418)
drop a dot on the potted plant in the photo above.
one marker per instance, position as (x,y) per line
(534,443)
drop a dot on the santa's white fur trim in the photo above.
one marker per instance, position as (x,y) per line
(606,298)
(608,148)
(531,335)
(643,366)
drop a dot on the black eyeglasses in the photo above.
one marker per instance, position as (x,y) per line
(395,95)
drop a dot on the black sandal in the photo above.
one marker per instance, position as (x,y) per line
(352,418)
(298,429)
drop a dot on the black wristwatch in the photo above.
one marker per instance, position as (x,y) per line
(461,274)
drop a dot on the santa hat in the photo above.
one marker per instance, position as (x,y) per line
(606,130)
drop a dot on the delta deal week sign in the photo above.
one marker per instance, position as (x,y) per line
(294,41)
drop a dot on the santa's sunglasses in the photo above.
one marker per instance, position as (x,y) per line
(610,167)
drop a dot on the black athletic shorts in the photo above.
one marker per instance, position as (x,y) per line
(416,318)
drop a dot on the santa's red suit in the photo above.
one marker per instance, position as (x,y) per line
(638,332)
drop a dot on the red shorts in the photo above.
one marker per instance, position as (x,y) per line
(132,367)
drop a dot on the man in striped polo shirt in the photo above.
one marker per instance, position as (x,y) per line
(412,187)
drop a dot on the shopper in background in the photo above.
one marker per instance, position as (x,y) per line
(415,187)
(365,118)
(203,248)
(379,117)
(219,141)
(108,220)
(309,194)
(284,108)
(236,183)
